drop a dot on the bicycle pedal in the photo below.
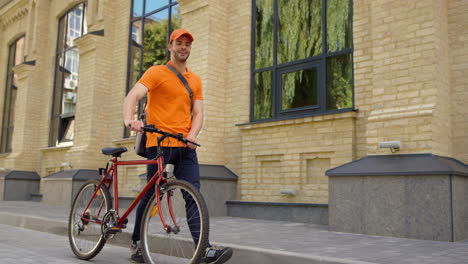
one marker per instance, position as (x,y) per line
(154,211)
(115,230)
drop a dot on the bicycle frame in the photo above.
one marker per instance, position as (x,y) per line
(156,181)
(94,205)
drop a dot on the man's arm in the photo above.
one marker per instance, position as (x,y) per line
(136,93)
(197,122)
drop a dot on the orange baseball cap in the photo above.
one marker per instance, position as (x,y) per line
(179,33)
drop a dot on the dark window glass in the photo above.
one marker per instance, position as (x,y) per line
(148,37)
(262,95)
(339,82)
(302,58)
(338,25)
(135,52)
(299,89)
(299,29)
(15,57)
(71,26)
(264,34)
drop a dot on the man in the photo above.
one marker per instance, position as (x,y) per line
(170,109)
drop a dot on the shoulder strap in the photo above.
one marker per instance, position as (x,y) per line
(184,81)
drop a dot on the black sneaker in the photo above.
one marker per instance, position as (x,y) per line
(136,257)
(217,255)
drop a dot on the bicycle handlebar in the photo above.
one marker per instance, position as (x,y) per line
(179,137)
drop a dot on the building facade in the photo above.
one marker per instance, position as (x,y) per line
(291,88)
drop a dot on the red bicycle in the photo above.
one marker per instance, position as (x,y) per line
(180,230)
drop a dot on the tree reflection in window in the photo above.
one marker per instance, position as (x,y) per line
(308,57)
(339,82)
(299,29)
(299,89)
(263,85)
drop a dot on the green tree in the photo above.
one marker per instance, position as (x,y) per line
(155,40)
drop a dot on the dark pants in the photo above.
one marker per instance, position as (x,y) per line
(185,168)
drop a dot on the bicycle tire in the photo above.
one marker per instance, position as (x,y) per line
(100,205)
(159,244)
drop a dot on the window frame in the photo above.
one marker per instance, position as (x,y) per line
(169,6)
(279,95)
(58,120)
(320,61)
(6,133)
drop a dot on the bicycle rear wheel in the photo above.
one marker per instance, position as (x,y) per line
(84,228)
(186,238)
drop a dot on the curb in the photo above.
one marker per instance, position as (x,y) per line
(242,254)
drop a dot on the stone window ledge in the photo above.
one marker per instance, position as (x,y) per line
(319,118)
(57,148)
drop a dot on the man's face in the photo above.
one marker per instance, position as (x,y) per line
(180,48)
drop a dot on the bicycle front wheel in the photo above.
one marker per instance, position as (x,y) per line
(84,225)
(184,237)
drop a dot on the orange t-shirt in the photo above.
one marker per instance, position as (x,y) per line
(168,102)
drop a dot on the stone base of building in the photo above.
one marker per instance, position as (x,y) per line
(18,185)
(291,212)
(421,196)
(61,188)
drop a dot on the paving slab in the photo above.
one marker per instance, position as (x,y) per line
(269,242)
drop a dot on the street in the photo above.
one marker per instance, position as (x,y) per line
(18,245)
(254,241)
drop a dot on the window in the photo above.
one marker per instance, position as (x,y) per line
(72,25)
(15,57)
(301,58)
(151,25)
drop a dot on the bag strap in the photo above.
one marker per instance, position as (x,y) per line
(184,81)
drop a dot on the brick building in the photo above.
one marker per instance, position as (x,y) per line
(400,67)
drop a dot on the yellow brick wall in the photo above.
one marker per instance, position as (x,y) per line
(458,56)
(17,19)
(206,20)
(237,84)
(442,128)
(294,154)
(363,71)
(401,76)
(84,153)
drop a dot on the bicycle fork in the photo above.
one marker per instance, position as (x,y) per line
(169,173)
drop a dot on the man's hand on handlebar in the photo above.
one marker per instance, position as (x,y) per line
(190,142)
(190,145)
(135,125)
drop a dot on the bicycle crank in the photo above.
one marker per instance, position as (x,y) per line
(109,225)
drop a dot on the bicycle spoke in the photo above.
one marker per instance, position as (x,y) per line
(85,222)
(180,208)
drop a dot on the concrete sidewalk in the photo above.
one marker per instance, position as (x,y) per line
(269,242)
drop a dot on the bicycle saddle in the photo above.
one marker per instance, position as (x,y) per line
(115,152)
